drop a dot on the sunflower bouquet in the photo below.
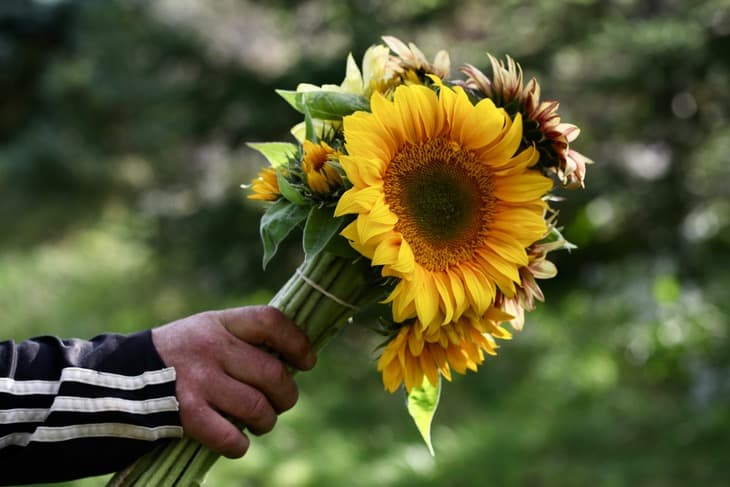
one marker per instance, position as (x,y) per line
(426,195)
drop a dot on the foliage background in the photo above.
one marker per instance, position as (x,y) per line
(122,132)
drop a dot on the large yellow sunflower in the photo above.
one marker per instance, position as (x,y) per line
(444,199)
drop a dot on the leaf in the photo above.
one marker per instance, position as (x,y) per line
(319,230)
(309,132)
(325,105)
(278,222)
(277,153)
(422,404)
(340,247)
(330,105)
(288,191)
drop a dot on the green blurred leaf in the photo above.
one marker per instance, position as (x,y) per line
(325,105)
(277,153)
(277,223)
(422,404)
(321,226)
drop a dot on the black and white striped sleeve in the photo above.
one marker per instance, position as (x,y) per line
(76,408)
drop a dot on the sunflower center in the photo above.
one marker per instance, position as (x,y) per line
(443,198)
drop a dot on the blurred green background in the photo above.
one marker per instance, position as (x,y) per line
(122,147)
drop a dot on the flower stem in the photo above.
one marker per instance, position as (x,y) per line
(320,297)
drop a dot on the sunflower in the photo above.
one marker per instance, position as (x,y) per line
(321,176)
(266,186)
(445,201)
(415,353)
(543,126)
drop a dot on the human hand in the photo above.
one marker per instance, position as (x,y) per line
(222,368)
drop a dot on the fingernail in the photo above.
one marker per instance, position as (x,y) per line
(311,358)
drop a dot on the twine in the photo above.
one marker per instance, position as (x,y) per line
(325,292)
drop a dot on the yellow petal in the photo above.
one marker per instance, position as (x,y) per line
(479,288)
(388,115)
(364,172)
(356,200)
(415,344)
(478,126)
(519,163)
(522,188)
(503,273)
(507,247)
(502,151)
(448,306)
(426,298)
(370,144)
(406,260)
(428,367)
(496,314)
(387,251)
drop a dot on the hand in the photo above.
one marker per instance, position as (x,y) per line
(224,365)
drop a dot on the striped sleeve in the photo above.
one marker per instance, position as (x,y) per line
(80,408)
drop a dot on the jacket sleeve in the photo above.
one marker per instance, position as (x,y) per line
(76,408)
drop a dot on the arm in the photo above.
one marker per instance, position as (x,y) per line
(212,363)
(73,408)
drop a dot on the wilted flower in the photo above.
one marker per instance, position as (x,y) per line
(542,122)
(411,64)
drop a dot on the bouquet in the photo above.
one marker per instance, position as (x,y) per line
(425,195)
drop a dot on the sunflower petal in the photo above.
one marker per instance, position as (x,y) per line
(524,188)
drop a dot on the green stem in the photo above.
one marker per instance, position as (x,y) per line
(186,462)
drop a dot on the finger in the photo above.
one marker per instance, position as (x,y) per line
(266,326)
(217,433)
(263,371)
(245,403)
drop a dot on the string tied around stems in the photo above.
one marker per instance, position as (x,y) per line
(324,292)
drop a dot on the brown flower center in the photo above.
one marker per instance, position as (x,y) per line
(443,197)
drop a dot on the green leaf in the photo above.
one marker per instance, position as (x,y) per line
(309,132)
(292,98)
(288,190)
(320,228)
(277,153)
(340,247)
(331,105)
(278,222)
(325,105)
(422,404)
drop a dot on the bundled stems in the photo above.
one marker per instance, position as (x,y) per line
(320,297)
